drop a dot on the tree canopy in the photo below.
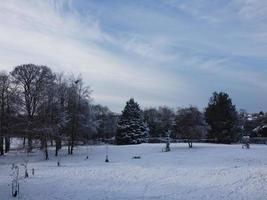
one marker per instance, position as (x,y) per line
(221,115)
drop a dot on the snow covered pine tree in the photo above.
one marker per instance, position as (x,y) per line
(131,128)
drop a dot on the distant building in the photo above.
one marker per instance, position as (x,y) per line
(261,131)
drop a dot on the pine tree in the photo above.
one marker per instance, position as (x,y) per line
(131,128)
(221,115)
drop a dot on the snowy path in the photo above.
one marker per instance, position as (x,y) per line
(205,172)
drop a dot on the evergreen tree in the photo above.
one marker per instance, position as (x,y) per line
(221,115)
(131,128)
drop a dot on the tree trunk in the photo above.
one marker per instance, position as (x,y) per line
(7,144)
(1,145)
(24,142)
(72,138)
(42,143)
(29,149)
(58,145)
(46,148)
(69,147)
(73,130)
(56,151)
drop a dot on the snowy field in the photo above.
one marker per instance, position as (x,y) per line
(207,171)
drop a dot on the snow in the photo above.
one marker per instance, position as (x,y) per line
(207,171)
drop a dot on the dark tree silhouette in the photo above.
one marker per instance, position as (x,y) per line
(222,117)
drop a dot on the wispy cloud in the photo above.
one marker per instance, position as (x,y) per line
(42,32)
(164,53)
(251,9)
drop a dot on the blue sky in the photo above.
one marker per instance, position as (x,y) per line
(161,52)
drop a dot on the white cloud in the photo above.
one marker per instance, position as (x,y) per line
(229,71)
(41,32)
(252,9)
(157,58)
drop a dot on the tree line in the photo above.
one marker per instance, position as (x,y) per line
(219,122)
(47,108)
(43,107)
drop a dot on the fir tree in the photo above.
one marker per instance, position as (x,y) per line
(221,115)
(131,128)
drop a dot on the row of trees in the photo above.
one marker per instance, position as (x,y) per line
(219,122)
(41,106)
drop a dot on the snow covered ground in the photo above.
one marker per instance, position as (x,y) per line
(208,171)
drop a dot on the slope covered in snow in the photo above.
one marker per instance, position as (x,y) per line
(207,171)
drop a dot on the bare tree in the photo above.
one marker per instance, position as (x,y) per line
(62,115)
(38,105)
(190,124)
(8,110)
(159,121)
(4,86)
(78,98)
(31,80)
(104,121)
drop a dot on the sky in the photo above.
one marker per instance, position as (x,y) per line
(160,52)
